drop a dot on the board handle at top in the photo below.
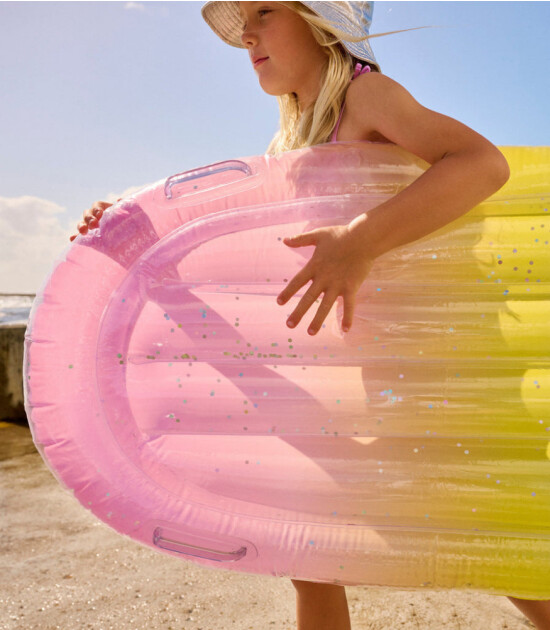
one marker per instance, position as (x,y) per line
(237,170)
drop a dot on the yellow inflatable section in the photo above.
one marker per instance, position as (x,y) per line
(473,454)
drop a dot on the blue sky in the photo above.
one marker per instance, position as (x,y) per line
(99,97)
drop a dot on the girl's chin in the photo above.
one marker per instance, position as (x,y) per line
(271,89)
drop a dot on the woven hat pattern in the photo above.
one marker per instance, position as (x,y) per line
(353,18)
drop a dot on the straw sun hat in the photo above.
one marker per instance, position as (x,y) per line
(351,17)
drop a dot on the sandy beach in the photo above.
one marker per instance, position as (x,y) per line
(61,568)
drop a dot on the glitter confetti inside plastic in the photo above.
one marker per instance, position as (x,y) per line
(416,309)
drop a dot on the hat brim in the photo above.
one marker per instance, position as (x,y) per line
(225,20)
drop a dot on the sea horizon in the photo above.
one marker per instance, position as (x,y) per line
(15,308)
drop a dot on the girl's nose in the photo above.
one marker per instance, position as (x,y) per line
(248,38)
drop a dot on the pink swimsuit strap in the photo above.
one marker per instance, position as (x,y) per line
(359,69)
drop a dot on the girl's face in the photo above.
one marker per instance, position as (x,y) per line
(283,51)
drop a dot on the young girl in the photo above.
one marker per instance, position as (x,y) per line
(314,57)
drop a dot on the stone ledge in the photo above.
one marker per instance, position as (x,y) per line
(12,338)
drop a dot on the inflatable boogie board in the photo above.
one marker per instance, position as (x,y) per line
(165,390)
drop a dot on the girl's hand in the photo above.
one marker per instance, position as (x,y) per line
(92,217)
(339,265)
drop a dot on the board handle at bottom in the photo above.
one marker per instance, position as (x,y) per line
(205,545)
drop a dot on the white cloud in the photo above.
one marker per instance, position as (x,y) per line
(32,235)
(135,6)
(35,232)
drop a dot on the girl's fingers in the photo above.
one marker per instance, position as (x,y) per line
(88,217)
(303,276)
(94,214)
(301,240)
(349,309)
(330,274)
(308,299)
(91,217)
(97,209)
(324,309)
(299,280)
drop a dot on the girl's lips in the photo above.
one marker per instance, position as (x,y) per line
(260,61)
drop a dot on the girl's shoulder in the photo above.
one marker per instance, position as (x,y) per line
(377,91)
(372,100)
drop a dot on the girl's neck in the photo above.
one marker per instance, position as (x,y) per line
(303,106)
(309,90)
(307,98)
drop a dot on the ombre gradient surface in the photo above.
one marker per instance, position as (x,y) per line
(165,390)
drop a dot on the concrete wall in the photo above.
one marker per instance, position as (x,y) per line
(11,372)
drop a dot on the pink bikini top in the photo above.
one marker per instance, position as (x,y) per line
(359,69)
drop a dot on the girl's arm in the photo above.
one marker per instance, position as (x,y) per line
(466,169)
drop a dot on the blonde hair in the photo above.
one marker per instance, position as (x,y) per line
(316,123)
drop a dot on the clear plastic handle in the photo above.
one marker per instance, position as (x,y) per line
(237,170)
(200,545)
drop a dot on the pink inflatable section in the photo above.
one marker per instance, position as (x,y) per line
(165,390)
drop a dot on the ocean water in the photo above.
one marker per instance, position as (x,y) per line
(15,309)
